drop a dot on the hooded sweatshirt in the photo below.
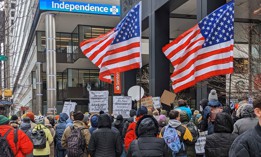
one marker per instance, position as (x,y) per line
(60,127)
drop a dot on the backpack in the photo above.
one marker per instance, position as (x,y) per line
(76,142)
(172,139)
(38,138)
(5,149)
(213,113)
(193,130)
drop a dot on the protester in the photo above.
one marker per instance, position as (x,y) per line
(148,144)
(86,120)
(163,121)
(248,144)
(70,119)
(50,127)
(128,121)
(130,134)
(184,135)
(183,107)
(94,123)
(14,121)
(184,119)
(26,126)
(46,136)
(247,120)
(164,112)
(118,124)
(59,130)
(155,114)
(31,116)
(19,143)
(104,141)
(218,143)
(76,146)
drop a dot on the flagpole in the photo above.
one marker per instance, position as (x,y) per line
(229,95)
(140,87)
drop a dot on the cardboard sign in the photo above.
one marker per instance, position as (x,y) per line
(147,102)
(68,107)
(122,105)
(156,102)
(98,101)
(167,97)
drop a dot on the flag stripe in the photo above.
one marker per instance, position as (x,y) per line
(167,49)
(203,77)
(188,62)
(188,73)
(120,59)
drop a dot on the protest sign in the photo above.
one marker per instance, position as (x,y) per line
(147,102)
(68,107)
(156,102)
(98,101)
(122,105)
(167,97)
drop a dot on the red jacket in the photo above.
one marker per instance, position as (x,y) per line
(130,134)
(23,146)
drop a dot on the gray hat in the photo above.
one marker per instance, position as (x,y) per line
(213,95)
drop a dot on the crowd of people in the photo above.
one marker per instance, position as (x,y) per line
(214,131)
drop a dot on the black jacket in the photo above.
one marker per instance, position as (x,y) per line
(148,144)
(104,141)
(247,144)
(218,143)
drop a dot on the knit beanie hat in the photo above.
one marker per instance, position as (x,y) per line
(132,113)
(78,115)
(213,95)
(142,111)
(30,115)
(3,120)
(39,119)
(14,118)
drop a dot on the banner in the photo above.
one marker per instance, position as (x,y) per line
(68,107)
(122,105)
(156,102)
(98,101)
(117,83)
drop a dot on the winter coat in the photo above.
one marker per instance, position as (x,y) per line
(94,123)
(59,130)
(130,134)
(247,144)
(247,120)
(104,141)
(147,142)
(49,141)
(25,127)
(185,109)
(184,134)
(23,146)
(218,143)
(67,132)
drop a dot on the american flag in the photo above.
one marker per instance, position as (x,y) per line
(203,51)
(120,49)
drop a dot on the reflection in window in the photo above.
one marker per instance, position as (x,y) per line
(241,65)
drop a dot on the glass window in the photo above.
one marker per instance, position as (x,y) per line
(63,43)
(12,5)
(73,78)
(12,13)
(241,65)
(41,44)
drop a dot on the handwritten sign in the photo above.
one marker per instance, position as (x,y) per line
(98,101)
(68,107)
(122,105)
(156,102)
(147,102)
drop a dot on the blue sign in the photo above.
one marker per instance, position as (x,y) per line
(79,7)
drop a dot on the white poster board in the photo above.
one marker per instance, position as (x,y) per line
(68,107)
(156,102)
(98,101)
(122,105)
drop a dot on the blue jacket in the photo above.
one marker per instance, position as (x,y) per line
(60,127)
(69,122)
(185,109)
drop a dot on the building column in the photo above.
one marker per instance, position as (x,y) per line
(205,7)
(39,87)
(159,65)
(50,60)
